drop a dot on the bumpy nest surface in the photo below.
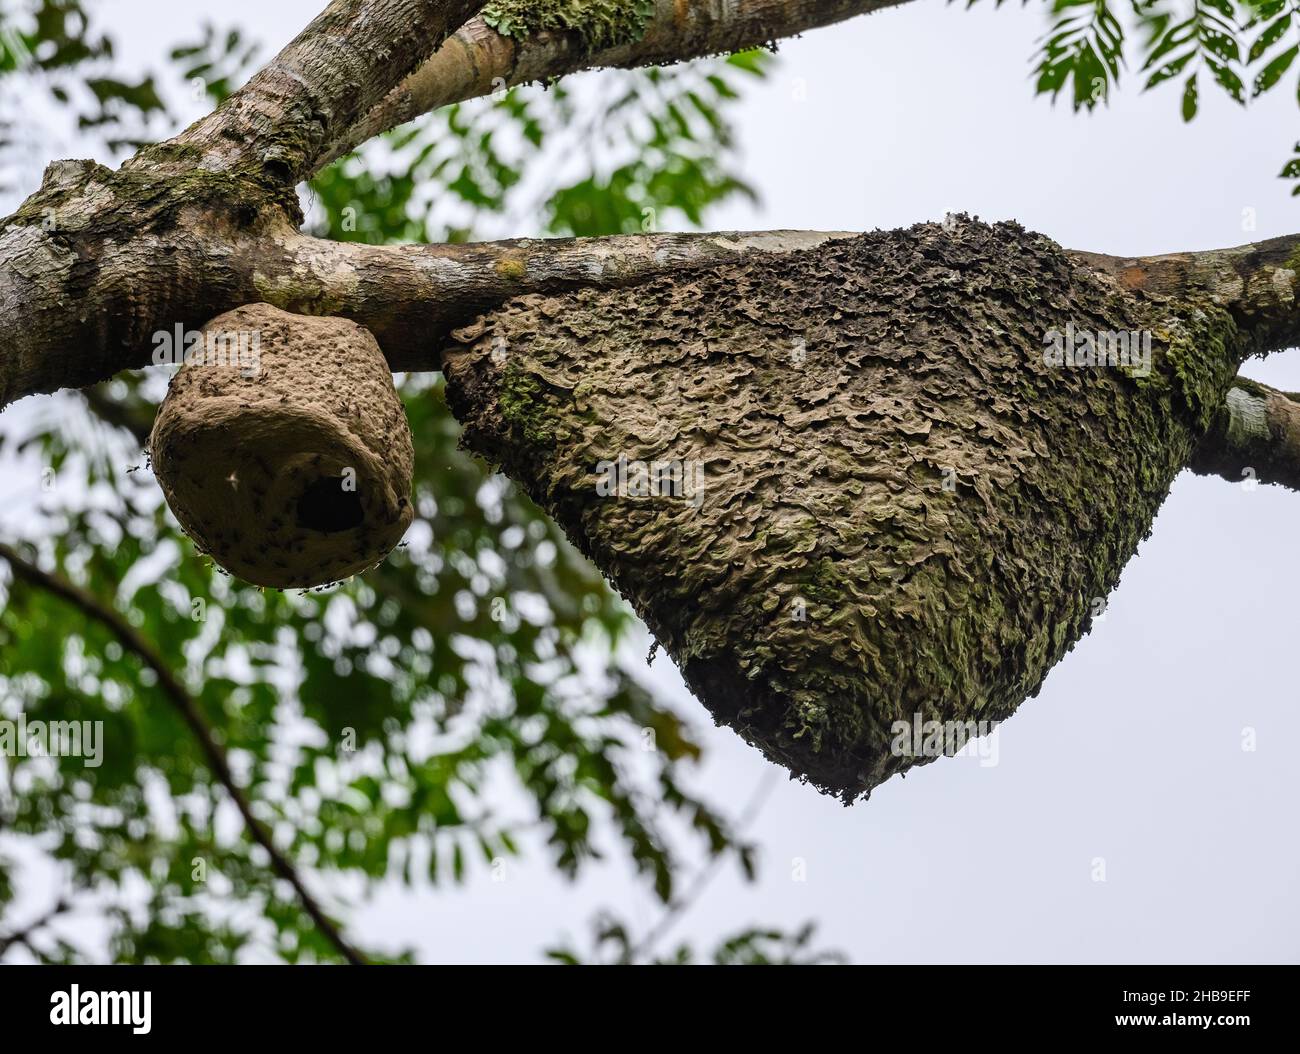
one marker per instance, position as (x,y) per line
(296,472)
(885,453)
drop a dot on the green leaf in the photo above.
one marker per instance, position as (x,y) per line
(1269,37)
(1189,99)
(1082,48)
(1272,73)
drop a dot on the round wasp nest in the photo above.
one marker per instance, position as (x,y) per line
(283,449)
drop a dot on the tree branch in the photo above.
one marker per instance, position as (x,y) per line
(1256,436)
(1256,282)
(349,57)
(477,60)
(411,297)
(132,640)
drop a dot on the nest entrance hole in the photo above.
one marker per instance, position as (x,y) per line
(327,506)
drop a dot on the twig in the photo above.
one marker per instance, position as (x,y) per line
(679,905)
(184,704)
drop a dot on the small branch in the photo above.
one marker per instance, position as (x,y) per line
(412,296)
(477,60)
(1256,436)
(184,704)
(680,905)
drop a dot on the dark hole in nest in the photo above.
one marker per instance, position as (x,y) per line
(326,506)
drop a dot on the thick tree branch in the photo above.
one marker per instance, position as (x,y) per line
(411,297)
(133,641)
(1256,436)
(477,60)
(1257,282)
(351,55)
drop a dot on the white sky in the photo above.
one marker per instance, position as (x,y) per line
(1133,751)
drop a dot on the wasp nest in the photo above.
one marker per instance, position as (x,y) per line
(845,488)
(283,449)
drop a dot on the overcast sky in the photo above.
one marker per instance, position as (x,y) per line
(1133,752)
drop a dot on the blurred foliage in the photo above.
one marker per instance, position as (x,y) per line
(422,725)
(649,149)
(52,45)
(214,65)
(614,945)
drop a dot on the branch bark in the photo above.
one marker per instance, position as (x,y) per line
(477,60)
(1256,282)
(413,297)
(1256,436)
(176,694)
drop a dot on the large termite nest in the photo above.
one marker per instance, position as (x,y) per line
(283,449)
(892,509)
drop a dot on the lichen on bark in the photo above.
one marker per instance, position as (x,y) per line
(599,24)
(907,510)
